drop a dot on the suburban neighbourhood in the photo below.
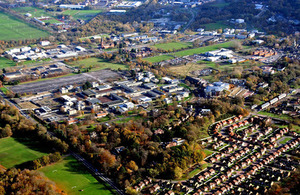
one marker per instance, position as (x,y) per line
(149,97)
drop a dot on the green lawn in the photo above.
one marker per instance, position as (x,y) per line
(282,116)
(82,14)
(12,28)
(285,140)
(71,176)
(15,151)
(96,64)
(203,49)
(208,152)
(52,21)
(173,45)
(34,11)
(4,62)
(216,25)
(159,58)
(220,4)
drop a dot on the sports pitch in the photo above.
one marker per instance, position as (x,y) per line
(73,178)
(14,152)
(12,28)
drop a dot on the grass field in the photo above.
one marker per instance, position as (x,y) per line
(52,21)
(285,140)
(12,28)
(220,4)
(282,116)
(159,58)
(82,14)
(15,151)
(97,64)
(203,49)
(173,45)
(4,63)
(34,11)
(216,25)
(71,176)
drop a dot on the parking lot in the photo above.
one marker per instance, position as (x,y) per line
(56,83)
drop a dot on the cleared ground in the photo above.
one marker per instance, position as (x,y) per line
(173,45)
(12,28)
(72,177)
(15,151)
(56,83)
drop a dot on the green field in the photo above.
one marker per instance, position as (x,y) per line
(34,11)
(160,58)
(12,28)
(82,14)
(96,64)
(220,4)
(173,45)
(216,25)
(4,63)
(203,49)
(285,140)
(71,176)
(15,151)
(52,21)
(282,116)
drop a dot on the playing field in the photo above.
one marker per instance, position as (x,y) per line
(160,58)
(216,25)
(34,11)
(71,176)
(82,14)
(96,64)
(173,45)
(14,152)
(203,49)
(4,63)
(12,28)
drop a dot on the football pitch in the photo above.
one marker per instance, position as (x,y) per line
(12,28)
(73,178)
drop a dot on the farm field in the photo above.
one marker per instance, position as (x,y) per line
(173,45)
(4,63)
(82,14)
(12,28)
(71,176)
(203,49)
(96,64)
(159,58)
(15,151)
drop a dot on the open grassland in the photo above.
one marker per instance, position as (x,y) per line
(34,11)
(71,176)
(173,45)
(82,14)
(216,25)
(12,28)
(200,50)
(282,116)
(52,21)
(15,151)
(96,64)
(159,58)
(4,63)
